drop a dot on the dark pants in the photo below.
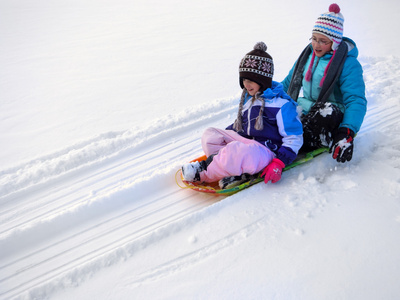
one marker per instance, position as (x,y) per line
(319,125)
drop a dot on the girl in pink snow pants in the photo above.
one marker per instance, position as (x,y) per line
(267,133)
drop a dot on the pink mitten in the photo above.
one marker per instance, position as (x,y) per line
(273,171)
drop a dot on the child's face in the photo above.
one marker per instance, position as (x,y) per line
(321,44)
(251,86)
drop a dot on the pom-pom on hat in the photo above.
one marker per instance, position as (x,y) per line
(330,24)
(257,66)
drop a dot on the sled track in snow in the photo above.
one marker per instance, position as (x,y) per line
(57,229)
(94,247)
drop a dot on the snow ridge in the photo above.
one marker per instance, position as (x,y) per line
(107,146)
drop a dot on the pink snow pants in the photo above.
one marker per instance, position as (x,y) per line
(235,154)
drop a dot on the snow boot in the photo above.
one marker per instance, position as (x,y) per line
(232,181)
(191,171)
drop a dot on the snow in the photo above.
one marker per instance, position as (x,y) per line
(103,101)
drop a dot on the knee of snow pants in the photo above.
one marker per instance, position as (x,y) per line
(214,139)
(237,158)
(319,124)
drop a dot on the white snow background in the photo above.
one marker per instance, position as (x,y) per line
(102,101)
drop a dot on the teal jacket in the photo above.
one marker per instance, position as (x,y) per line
(348,93)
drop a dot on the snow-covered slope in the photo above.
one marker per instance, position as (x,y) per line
(101,217)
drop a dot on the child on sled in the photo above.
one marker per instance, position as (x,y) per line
(266,135)
(333,101)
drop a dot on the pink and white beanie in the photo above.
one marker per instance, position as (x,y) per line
(330,24)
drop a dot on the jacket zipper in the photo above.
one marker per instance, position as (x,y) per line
(248,116)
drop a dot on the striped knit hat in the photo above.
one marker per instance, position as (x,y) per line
(330,24)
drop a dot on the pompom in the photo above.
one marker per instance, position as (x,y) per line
(260,46)
(334,8)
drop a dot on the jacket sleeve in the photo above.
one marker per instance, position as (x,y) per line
(352,87)
(291,130)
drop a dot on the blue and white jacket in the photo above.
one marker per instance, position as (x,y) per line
(349,90)
(283,131)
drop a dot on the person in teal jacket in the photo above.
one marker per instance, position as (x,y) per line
(333,102)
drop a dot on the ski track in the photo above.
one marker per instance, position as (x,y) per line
(188,260)
(127,196)
(103,200)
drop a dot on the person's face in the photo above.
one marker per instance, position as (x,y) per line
(321,44)
(251,87)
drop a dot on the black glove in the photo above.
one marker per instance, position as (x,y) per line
(342,145)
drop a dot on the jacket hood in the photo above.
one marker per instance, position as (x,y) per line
(353,50)
(276,90)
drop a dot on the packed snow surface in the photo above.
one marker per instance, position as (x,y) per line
(101,102)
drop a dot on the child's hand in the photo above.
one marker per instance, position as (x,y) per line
(342,146)
(273,171)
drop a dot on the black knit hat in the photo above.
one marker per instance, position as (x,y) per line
(257,66)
